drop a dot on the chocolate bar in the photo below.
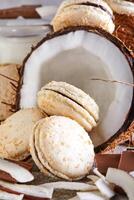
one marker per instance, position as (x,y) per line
(127,161)
(104,161)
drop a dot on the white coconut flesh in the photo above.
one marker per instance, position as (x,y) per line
(76,58)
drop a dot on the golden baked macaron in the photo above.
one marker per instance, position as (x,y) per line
(9,78)
(60,98)
(96,13)
(15,133)
(63,148)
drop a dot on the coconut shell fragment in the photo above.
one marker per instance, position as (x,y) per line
(9,78)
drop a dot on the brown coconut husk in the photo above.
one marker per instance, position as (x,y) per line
(126,136)
(125,30)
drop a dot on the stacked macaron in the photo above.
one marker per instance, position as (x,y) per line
(95,13)
(59,144)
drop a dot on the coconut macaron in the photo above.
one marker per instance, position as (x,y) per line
(9,78)
(60,98)
(15,133)
(94,13)
(62,147)
(122,7)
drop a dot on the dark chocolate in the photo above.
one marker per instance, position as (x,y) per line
(104,161)
(26,11)
(127,161)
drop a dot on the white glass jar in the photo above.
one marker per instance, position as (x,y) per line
(16,42)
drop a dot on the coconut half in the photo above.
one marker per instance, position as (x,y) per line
(77,56)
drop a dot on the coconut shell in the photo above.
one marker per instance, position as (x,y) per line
(9,77)
(112,38)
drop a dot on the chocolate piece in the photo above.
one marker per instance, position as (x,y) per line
(104,161)
(127,161)
(26,11)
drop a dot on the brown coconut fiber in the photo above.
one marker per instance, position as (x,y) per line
(125,30)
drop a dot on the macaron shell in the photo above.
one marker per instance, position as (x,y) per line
(33,152)
(82,15)
(122,7)
(64,148)
(68,3)
(9,78)
(56,104)
(15,134)
(42,159)
(77,95)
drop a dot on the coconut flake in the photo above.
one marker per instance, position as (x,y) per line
(102,184)
(122,179)
(74,198)
(19,173)
(31,190)
(96,171)
(9,196)
(70,186)
(89,196)
(46,11)
(104,188)
(132,173)
(93,178)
